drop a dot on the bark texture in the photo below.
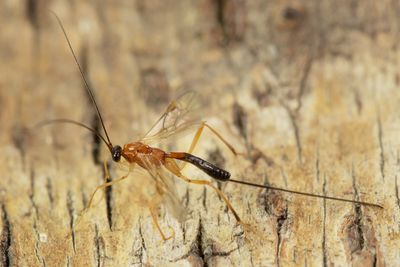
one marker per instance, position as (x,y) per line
(310,89)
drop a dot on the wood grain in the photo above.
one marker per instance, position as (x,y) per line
(309,90)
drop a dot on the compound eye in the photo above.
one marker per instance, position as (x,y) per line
(116,152)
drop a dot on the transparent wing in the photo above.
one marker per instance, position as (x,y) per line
(166,188)
(178,118)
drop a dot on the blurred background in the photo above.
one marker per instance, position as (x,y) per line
(308,89)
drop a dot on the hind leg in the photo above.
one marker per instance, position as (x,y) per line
(171,165)
(196,139)
(200,131)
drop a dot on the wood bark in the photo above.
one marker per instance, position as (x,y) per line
(308,89)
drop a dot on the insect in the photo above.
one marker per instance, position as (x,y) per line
(158,162)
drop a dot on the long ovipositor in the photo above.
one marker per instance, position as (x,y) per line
(212,170)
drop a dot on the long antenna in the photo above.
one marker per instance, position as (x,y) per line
(109,144)
(46,122)
(306,194)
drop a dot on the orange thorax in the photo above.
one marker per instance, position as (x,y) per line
(144,155)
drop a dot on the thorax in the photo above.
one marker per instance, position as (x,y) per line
(144,155)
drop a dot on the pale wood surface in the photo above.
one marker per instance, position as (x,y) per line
(310,90)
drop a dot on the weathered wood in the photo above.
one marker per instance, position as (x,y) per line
(310,90)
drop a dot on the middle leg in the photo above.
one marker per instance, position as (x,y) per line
(154,216)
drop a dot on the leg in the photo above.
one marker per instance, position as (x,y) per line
(171,165)
(200,131)
(197,137)
(107,184)
(155,221)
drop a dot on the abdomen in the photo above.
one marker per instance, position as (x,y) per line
(212,170)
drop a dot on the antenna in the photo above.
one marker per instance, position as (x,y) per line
(46,122)
(109,144)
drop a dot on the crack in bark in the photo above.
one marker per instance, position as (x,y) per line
(204,201)
(230,18)
(279,229)
(70,207)
(358,101)
(251,260)
(382,151)
(19,142)
(84,197)
(294,256)
(35,217)
(397,192)
(284,176)
(32,195)
(294,15)
(317,169)
(262,199)
(196,248)
(31,10)
(324,251)
(183,226)
(138,253)
(358,217)
(37,254)
(68,261)
(39,257)
(220,17)
(143,242)
(296,130)
(198,245)
(358,223)
(186,198)
(219,14)
(204,252)
(318,174)
(303,83)
(240,120)
(49,188)
(6,237)
(99,245)
(98,257)
(222,253)
(396,188)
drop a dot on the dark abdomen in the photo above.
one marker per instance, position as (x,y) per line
(207,167)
